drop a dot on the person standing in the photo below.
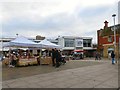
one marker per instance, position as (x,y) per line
(11,58)
(14,60)
(57,58)
(109,55)
(44,54)
(38,59)
(96,56)
(99,56)
(53,57)
(113,57)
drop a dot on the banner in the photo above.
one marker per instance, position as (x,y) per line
(79,42)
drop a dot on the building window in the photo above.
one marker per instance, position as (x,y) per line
(87,43)
(69,43)
(109,38)
(5,41)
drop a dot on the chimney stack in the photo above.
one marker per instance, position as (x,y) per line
(106,24)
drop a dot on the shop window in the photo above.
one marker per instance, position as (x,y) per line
(87,43)
(69,43)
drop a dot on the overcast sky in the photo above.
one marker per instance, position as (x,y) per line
(53,18)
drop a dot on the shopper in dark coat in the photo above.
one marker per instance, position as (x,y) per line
(96,56)
(113,57)
(57,58)
(53,57)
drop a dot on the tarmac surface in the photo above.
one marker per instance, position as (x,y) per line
(74,74)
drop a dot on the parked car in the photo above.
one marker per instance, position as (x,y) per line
(77,56)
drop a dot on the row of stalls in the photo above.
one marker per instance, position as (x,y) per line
(33,54)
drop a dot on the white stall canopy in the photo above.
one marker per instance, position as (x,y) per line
(22,42)
(47,44)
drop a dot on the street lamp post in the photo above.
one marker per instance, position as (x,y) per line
(114,32)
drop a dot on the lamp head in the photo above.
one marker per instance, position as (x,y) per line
(113,15)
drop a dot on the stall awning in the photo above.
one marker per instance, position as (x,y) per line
(78,51)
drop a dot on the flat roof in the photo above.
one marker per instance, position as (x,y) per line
(76,37)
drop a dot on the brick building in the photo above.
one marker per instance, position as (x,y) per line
(106,39)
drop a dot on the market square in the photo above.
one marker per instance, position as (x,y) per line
(71,44)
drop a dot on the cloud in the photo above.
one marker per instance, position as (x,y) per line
(51,23)
(33,9)
(119,12)
(55,17)
(94,11)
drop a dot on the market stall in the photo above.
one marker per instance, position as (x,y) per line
(23,58)
(46,58)
(26,58)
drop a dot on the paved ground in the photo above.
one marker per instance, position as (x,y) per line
(75,74)
(18,72)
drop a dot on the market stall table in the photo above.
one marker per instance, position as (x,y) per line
(46,60)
